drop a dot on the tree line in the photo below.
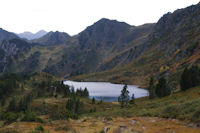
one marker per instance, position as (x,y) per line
(189,78)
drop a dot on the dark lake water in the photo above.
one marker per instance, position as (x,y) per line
(107,91)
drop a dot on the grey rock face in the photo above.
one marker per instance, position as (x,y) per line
(12,49)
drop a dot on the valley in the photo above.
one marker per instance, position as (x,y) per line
(112,77)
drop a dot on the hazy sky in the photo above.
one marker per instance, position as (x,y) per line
(73,16)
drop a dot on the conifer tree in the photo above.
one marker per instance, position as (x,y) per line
(74,105)
(151,88)
(124,97)
(190,78)
(86,93)
(162,88)
(132,101)
(93,100)
(12,105)
(66,91)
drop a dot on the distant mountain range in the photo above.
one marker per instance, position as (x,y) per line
(30,36)
(110,50)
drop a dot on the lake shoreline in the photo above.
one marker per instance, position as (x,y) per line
(107,91)
(139,86)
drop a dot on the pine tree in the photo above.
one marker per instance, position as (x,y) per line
(12,105)
(100,102)
(24,103)
(3,101)
(190,78)
(132,101)
(74,105)
(162,88)
(86,93)
(93,100)
(72,91)
(124,97)
(185,80)
(70,104)
(66,91)
(151,88)
(195,76)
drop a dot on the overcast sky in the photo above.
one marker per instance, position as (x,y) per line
(73,16)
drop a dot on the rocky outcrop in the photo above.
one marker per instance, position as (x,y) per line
(11,50)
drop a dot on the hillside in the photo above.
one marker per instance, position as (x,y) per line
(172,45)
(12,54)
(113,51)
(5,35)
(86,51)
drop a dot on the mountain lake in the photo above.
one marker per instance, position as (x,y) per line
(107,91)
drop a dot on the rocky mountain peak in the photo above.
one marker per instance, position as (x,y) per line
(53,38)
(104,31)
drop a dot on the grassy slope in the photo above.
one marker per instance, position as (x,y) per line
(180,105)
(47,52)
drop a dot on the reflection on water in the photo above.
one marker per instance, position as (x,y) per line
(107,91)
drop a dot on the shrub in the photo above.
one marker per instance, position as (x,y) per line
(196,115)
(9,117)
(30,116)
(39,128)
(93,110)
(170,111)
(57,113)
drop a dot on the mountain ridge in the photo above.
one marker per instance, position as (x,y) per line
(119,51)
(52,38)
(5,35)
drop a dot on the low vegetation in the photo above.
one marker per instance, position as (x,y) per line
(44,99)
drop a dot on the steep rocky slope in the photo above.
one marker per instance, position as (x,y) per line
(12,51)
